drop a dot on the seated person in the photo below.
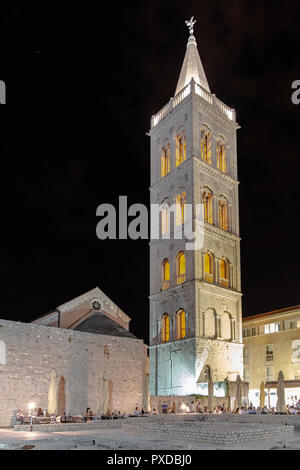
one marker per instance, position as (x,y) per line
(154,411)
(137,412)
(88,414)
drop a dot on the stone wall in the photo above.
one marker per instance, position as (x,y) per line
(29,352)
(157,401)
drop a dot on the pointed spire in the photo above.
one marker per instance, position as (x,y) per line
(192,66)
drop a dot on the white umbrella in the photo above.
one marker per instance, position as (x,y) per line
(146,395)
(103,395)
(280,405)
(262,395)
(52,393)
(238,395)
(210,402)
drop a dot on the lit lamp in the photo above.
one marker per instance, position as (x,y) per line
(31,407)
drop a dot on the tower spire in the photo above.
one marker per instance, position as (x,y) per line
(192,66)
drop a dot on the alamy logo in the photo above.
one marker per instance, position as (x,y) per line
(2,92)
(188,222)
(296,94)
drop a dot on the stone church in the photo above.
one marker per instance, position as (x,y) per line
(83,340)
(195,296)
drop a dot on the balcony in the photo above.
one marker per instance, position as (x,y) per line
(224,282)
(180,279)
(209,278)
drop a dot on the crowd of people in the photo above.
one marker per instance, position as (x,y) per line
(221,409)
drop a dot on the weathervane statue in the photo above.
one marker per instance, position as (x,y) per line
(190,25)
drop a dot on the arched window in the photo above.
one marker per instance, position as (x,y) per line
(223,214)
(181,327)
(165,328)
(180,208)
(180,268)
(221,155)
(208,207)
(165,274)
(206,145)
(180,148)
(224,272)
(208,268)
(165,161)
(165,220)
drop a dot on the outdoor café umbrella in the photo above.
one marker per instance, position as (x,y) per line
(262,395)
(210,394)
(52,393)
(238,396)
(280,405)
(103,395)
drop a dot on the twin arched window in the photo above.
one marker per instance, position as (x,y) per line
(180,271)
(208,210)
(224,270)
(180,326)
(165,161)
(180,148)
(206,149)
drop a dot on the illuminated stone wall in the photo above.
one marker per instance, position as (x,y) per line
(29,352)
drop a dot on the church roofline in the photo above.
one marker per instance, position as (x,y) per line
(271,313)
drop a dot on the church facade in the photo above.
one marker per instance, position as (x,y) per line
(85,341)
(195,295)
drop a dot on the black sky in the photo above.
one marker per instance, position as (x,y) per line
(82,85)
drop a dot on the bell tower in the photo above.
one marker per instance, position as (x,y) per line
(195,295)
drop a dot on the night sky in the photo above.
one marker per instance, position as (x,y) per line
(82,85)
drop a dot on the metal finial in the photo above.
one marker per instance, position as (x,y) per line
(190,25)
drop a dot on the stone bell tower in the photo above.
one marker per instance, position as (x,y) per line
(195,295)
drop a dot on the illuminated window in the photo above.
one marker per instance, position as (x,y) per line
(165,274)
(180,268)
(272,328)
(180,208)
(208,207)
(208,268)
(224,272)
(180,148)
(165,161)
(180,317)
(165,328)
(165,220)
(206,145)
(221,156)
(223,214)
